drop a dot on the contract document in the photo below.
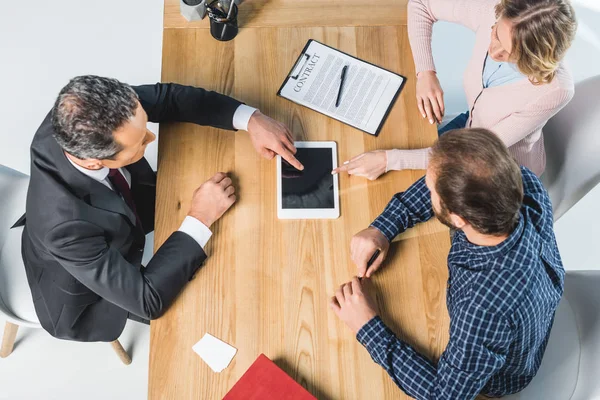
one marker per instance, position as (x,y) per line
(361,96)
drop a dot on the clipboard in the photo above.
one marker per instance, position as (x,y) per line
(314,81)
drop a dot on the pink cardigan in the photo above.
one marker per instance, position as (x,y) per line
(516,112)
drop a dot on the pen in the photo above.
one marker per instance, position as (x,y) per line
(216,9)
(231,5)
(342,79)
(372,260)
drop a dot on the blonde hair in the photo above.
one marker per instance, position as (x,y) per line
(542,32)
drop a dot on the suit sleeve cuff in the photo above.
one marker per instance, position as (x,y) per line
(241,117)
(196,229)
(374,336)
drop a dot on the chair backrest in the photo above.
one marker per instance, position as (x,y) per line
(572,141)
(16,303)
(571,364)
(581,289)
(557,377)
(13,193)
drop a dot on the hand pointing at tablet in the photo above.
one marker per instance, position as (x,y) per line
(370,165)
(271,137)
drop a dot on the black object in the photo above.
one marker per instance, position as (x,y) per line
(20,222)
(82,247)
(342,80)
(192,2)
(223,26)
(135,318)
(312,187)
(372,260)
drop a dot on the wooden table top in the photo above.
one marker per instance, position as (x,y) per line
(266,285)
(288,13)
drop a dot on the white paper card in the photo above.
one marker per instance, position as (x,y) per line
(216,353)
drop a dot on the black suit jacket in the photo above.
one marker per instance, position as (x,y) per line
(81,247)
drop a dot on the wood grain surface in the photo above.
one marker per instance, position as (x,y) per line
(266,284)
(294,13)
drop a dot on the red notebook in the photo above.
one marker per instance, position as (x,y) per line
(266,381)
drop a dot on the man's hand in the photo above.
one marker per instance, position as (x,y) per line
(270,137)
(363,246)
(354,304)
(212,199)
(371,165)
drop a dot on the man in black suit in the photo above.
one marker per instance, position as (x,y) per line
(91,202)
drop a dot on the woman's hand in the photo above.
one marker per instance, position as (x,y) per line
(430,96)
(371,165)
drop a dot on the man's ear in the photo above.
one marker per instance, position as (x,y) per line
(93,163)
(89,163)
(457,221)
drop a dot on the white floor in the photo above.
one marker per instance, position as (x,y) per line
(44,368)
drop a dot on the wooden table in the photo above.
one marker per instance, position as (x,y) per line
(266,286)
(295,13)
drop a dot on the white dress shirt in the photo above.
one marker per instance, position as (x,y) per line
(190,225)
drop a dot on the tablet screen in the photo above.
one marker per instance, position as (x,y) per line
(313,187)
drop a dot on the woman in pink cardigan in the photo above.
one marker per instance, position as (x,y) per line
(514,82)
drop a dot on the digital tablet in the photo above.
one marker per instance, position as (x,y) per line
(313,192)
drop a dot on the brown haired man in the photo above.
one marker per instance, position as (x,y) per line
(505,273)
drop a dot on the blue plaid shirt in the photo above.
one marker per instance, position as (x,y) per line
(501,301)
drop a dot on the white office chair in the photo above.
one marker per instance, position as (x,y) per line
(571,365)
(573,148)
(16,304)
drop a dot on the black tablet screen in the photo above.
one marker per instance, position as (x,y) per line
(313,187)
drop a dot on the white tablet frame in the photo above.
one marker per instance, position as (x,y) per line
(310,213)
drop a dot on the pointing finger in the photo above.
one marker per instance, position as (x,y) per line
(289,157)
(358,157)
(342,168)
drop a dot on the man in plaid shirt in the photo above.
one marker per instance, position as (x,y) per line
(506,276)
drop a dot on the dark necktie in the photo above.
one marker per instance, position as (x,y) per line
(122,187)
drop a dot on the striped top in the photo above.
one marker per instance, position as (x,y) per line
(516,112)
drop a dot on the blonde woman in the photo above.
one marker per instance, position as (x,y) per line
(514,82)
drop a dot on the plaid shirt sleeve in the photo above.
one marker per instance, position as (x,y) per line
(478,344)
(405,210)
